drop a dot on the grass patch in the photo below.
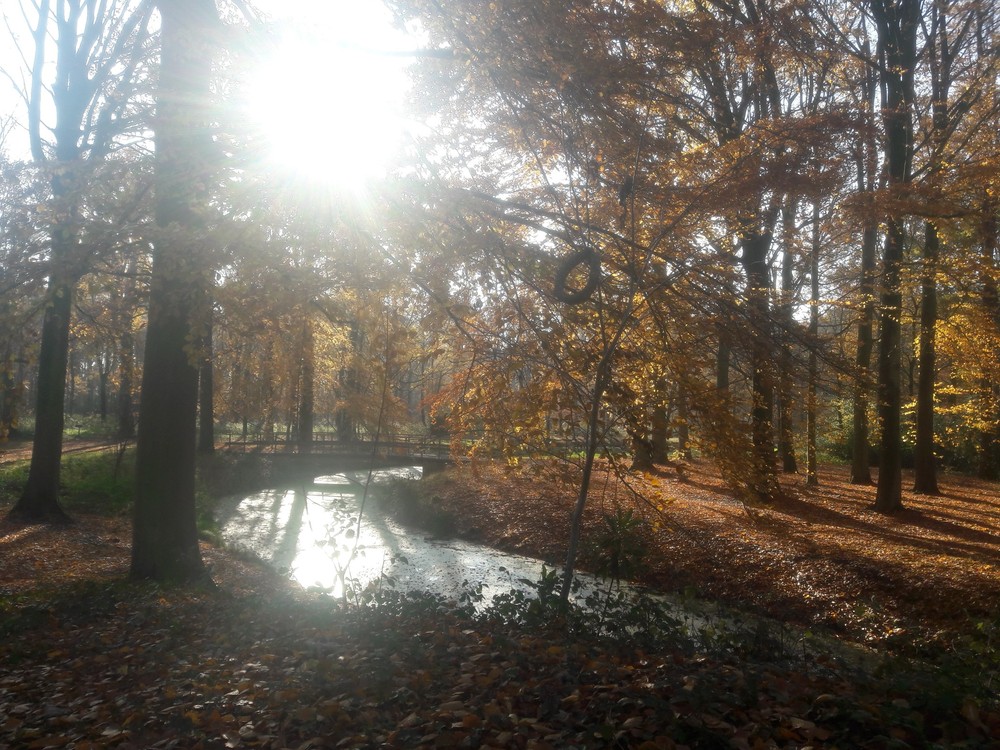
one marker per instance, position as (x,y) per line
(99,482)
(94,482)
(103,482)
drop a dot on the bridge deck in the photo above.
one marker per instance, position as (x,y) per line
(391,446)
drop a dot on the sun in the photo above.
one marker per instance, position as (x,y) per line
(328,110)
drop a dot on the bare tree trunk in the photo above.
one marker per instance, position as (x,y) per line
(601,381)
(925,475)
(764,482)
(786,442)
(39,500)
(9,393)
(83,60)
(683,423)
(659,433)
(306,390)
(812,409)
(897,28)
(165,533)
(206,392)
(126,380)
(723,355)
(866,165)
(989,439)
(889,493)
(940,56)
(126,357)
(860,447)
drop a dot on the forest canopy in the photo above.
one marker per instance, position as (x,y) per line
(761,231)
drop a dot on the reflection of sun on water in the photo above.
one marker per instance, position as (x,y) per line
(327,112)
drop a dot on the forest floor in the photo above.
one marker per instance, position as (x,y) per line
(92,661)
(818,557)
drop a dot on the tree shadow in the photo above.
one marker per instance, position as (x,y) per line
(953,539)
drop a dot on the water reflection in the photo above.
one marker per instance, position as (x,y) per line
(314,533)
(318,534)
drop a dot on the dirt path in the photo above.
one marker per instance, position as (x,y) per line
(20,450)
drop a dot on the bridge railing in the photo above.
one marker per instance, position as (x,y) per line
(416,446)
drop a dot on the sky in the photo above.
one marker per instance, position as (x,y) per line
(331,107)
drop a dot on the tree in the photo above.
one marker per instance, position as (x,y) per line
(952,59)
(22,287)
(165,534)
(100,48)
(897,24)
(865,156)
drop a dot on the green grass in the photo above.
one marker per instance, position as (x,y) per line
(75,427)
(102,482)
(98,482)
(94,482)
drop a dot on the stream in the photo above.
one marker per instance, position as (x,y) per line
(313,534)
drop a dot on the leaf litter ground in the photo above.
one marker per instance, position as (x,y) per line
(91,661)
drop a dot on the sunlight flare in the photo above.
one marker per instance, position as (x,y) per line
(327,111)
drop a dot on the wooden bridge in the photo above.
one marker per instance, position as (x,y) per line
(326,454)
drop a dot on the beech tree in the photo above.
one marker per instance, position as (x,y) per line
(954,64)
(897,24)
(100,51)
(165,535)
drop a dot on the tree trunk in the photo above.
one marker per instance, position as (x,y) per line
(888,497)
(897,28)
(925,475)
(860,448)
(9,392)
(308,377)
(165,534)
(601,381)
(812,409)
(764,480)
(866,164)
(126,380)
(723,355)
(989,439)
(786,442)
(126,357)
(683,424)
(206,394)
(39,500)
(659,432)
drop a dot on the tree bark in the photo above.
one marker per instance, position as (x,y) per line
(786,442)
(206,393)
(860,448)
(812,408)
(601,380)
(9,392)
(39,500)
(659,431)
(723,355)
(764,481)
(925,474)
(683,424)
(306,408)
(897,27)
(989,439)
(126,359)
(866,165)
(165,535)
(888,497)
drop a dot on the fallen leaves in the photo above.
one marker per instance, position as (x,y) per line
(92,662)
(818,557)
(183,669)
